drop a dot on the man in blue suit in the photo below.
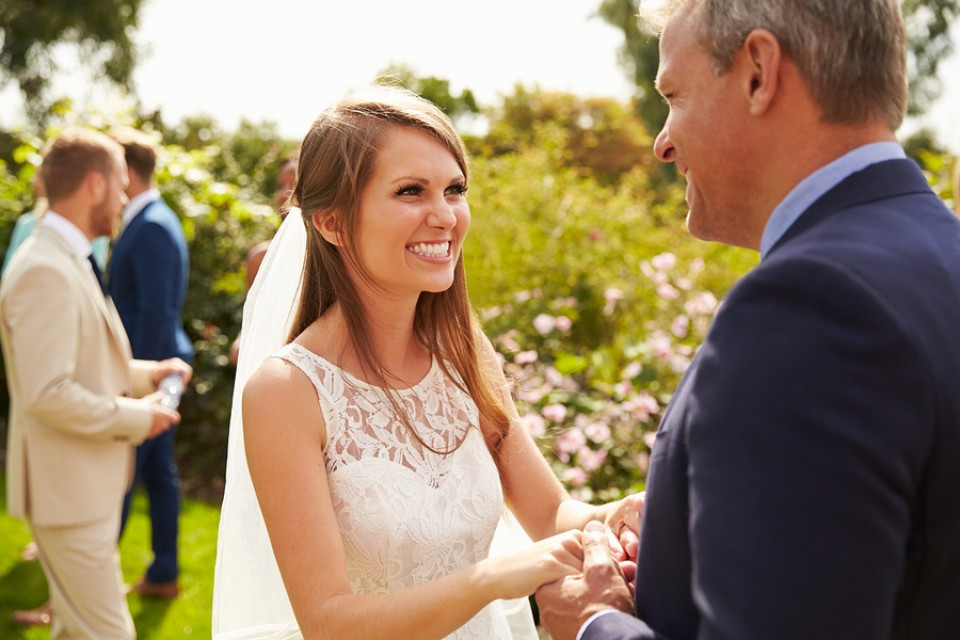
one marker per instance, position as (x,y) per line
(804,481)
(148,283)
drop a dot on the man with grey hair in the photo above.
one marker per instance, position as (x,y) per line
(804,479)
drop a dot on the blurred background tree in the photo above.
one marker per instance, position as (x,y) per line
(101,30)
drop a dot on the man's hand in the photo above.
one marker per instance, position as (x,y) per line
(164,368)
(163,418)
(567,603)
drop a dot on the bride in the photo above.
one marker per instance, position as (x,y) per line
(378,444)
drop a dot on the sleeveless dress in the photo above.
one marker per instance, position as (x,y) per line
(407,515)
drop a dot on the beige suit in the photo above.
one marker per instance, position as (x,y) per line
(72,428)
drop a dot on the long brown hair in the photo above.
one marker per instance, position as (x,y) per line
(337,158)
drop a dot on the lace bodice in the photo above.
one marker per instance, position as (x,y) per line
(407,515)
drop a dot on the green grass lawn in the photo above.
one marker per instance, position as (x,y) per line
(22,585)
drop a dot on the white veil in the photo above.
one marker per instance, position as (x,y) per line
(249,599)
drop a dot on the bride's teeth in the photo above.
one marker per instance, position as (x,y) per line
(431,250)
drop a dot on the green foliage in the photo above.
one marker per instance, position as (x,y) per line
(22,584)
(599,137)
(248,157)
(101,29)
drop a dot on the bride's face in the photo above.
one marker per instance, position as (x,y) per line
(413,214)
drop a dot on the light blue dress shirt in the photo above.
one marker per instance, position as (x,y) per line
(818,183)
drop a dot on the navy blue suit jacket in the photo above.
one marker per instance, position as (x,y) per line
(148,271)
(805,481)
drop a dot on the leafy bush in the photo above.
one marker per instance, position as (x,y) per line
(595,297)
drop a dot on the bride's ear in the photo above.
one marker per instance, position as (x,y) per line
(326,223)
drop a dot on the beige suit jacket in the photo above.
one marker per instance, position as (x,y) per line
(73,423)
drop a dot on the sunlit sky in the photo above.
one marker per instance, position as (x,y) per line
(285,60)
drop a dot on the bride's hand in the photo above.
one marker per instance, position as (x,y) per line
(517,575)
(623,524)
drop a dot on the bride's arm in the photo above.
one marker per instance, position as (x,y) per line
(284,435)
(534,494)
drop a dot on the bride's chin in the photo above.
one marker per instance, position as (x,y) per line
(439,288)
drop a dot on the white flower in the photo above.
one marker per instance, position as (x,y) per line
(664,261)
(544,323)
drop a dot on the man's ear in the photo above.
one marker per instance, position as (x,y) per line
(761,55)
(95,184)
(326,223)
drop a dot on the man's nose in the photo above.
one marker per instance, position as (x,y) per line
(663,146)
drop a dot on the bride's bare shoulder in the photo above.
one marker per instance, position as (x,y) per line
(279,393)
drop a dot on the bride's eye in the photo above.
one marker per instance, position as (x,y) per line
(410,190)
(458,189)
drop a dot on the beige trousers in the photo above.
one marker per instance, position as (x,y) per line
(82,565)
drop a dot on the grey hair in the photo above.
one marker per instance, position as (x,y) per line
(851,53)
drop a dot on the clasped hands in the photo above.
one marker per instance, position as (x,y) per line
(607,578)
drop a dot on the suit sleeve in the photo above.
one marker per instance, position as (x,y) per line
(616,625)
(807,440)
(142,372)
(44,331)
(156,266)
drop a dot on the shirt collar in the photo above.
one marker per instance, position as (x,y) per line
(138,203)
(76,239)
(818,183)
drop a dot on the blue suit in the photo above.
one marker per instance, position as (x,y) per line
(148,282)
(805,481)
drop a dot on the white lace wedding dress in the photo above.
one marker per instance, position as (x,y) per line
(407,515)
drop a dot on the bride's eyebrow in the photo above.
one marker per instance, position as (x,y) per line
(457,179)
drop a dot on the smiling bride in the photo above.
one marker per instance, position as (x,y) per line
(374,446)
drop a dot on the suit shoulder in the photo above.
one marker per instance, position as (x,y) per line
(35,272)
(158,208)
(156,225)
(37,252)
